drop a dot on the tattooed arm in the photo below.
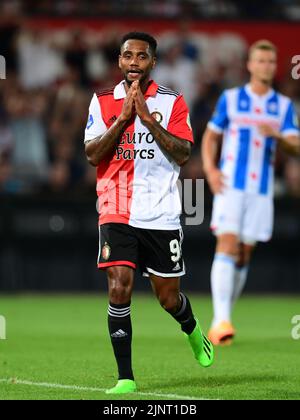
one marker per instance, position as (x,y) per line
(177,148)
(99,147)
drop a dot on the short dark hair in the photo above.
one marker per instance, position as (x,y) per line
(141,36)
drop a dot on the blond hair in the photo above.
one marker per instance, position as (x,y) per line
(262,44)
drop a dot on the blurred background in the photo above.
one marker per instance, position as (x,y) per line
(57,54)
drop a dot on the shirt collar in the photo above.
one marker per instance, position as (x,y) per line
(120,92)
(250,92)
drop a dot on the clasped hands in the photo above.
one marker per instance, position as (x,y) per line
(135,102)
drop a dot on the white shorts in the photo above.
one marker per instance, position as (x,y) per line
(249,216)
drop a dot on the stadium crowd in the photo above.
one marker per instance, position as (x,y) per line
(50,78)
(169,9)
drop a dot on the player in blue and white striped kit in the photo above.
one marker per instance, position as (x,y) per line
(252,120)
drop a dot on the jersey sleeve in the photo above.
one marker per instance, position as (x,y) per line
(179,123)
(290,125)
(95,125)
(219,120)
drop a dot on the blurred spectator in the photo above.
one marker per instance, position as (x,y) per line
(202,109)
(40,64)
(176,71)
(29,153)
(189,47)
(66,116)
(169,9)
(6,136)
(76,55)
(6,148)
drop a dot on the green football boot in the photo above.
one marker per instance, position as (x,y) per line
(202,348)
(124,386)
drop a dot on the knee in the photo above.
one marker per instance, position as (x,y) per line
(230,250)
(169,302)
(228,247)
(120,288)
(119,294)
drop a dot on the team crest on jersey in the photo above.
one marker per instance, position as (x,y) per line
(157,116)
(272,108)
(106,251)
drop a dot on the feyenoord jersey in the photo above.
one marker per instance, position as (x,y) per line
(247,158)
(137,182)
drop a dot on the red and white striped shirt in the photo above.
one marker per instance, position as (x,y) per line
(137,183)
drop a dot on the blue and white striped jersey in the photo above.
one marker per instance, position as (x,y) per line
(247,158)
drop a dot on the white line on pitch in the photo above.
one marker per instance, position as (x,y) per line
(90,389)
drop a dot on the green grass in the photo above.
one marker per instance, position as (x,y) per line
(64,340)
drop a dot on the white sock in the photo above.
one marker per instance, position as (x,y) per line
(240,278)
(222,284)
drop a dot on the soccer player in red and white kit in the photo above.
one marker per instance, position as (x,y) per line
(138,135)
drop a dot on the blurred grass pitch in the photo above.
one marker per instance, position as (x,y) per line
(58,347)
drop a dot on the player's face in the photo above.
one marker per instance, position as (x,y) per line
(136,61)
(262,65)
